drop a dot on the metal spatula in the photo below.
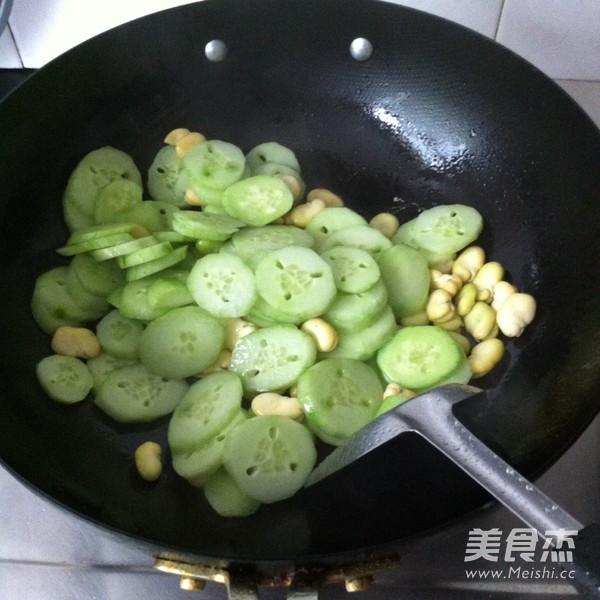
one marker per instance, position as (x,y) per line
(431,415)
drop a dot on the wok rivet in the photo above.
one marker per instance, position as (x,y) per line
(361,49)
(189,584)
(215,50)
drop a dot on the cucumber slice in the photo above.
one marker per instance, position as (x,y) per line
(214,164)
(64,378)
(269,457)
(362,344)
(205,226)
(96,170)
(200,463)
(94,244)
(405,273)
(223,285)
(165,177)
(332,219)
(272,358)
(340,396)
(226,498)
(122,249)
(420,357)
(360,236)
(100,278)
(254,243)
(351,312)
(169,292)
(157,265)
(207,408)
(103,365)
(447,228)
(257,200)
(119,335)
(74,217)
(145,254)
(404,235)
(93,305)
(51,303)
(354,270)
(296,281)
(181,343)
(271,152)
(134,297)
(133,394)
(116,198)
(153,215)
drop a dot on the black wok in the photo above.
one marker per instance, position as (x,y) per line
(438,114)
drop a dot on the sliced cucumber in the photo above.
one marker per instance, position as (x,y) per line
(119,335)
(269,457)
(133,394)
(354,270)
(206,410)
(64,378)
(420,357)
(297,281)
(226,498)
(340,396)
(257,200)
(272,358)
(222,284)
(181,343)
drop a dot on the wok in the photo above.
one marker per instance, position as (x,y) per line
(437,114)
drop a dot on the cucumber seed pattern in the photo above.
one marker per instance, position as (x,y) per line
(271,455)
(187,345)
(222,283)
(294,280)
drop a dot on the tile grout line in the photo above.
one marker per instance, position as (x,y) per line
(502,5)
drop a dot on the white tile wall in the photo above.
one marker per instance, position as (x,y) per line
(561,37)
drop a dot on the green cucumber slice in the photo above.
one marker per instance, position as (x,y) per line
(165,177)
(340,396)
(145,254)
(254,243)
(296,281)
(157,265)
(133,394)
(354,270)
(447,228)
(420,357)
(100,278)
(351,312)
(198,464)
(51,303)
(119,335)
(214,164)
(153,215)
(116,198)
(359,236)
(205,226)
(226,498)
(362,344)
(103,365)
(269,457)
(64,378)
(93,172)
(272,358)
(271,152)
(207,408)
(94,244)
(121,249)
(222,284)
(181,343)
(405,273)
(257,200)
(332,219)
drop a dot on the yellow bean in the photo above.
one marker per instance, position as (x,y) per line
(485,356)
(386,223)
(323,334)
(329,198)
(148,461)
(468,263)
(270,403)
(480,321)
(78,342)
(175,135)
(188,141)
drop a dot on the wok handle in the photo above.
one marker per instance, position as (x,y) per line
(435,421)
